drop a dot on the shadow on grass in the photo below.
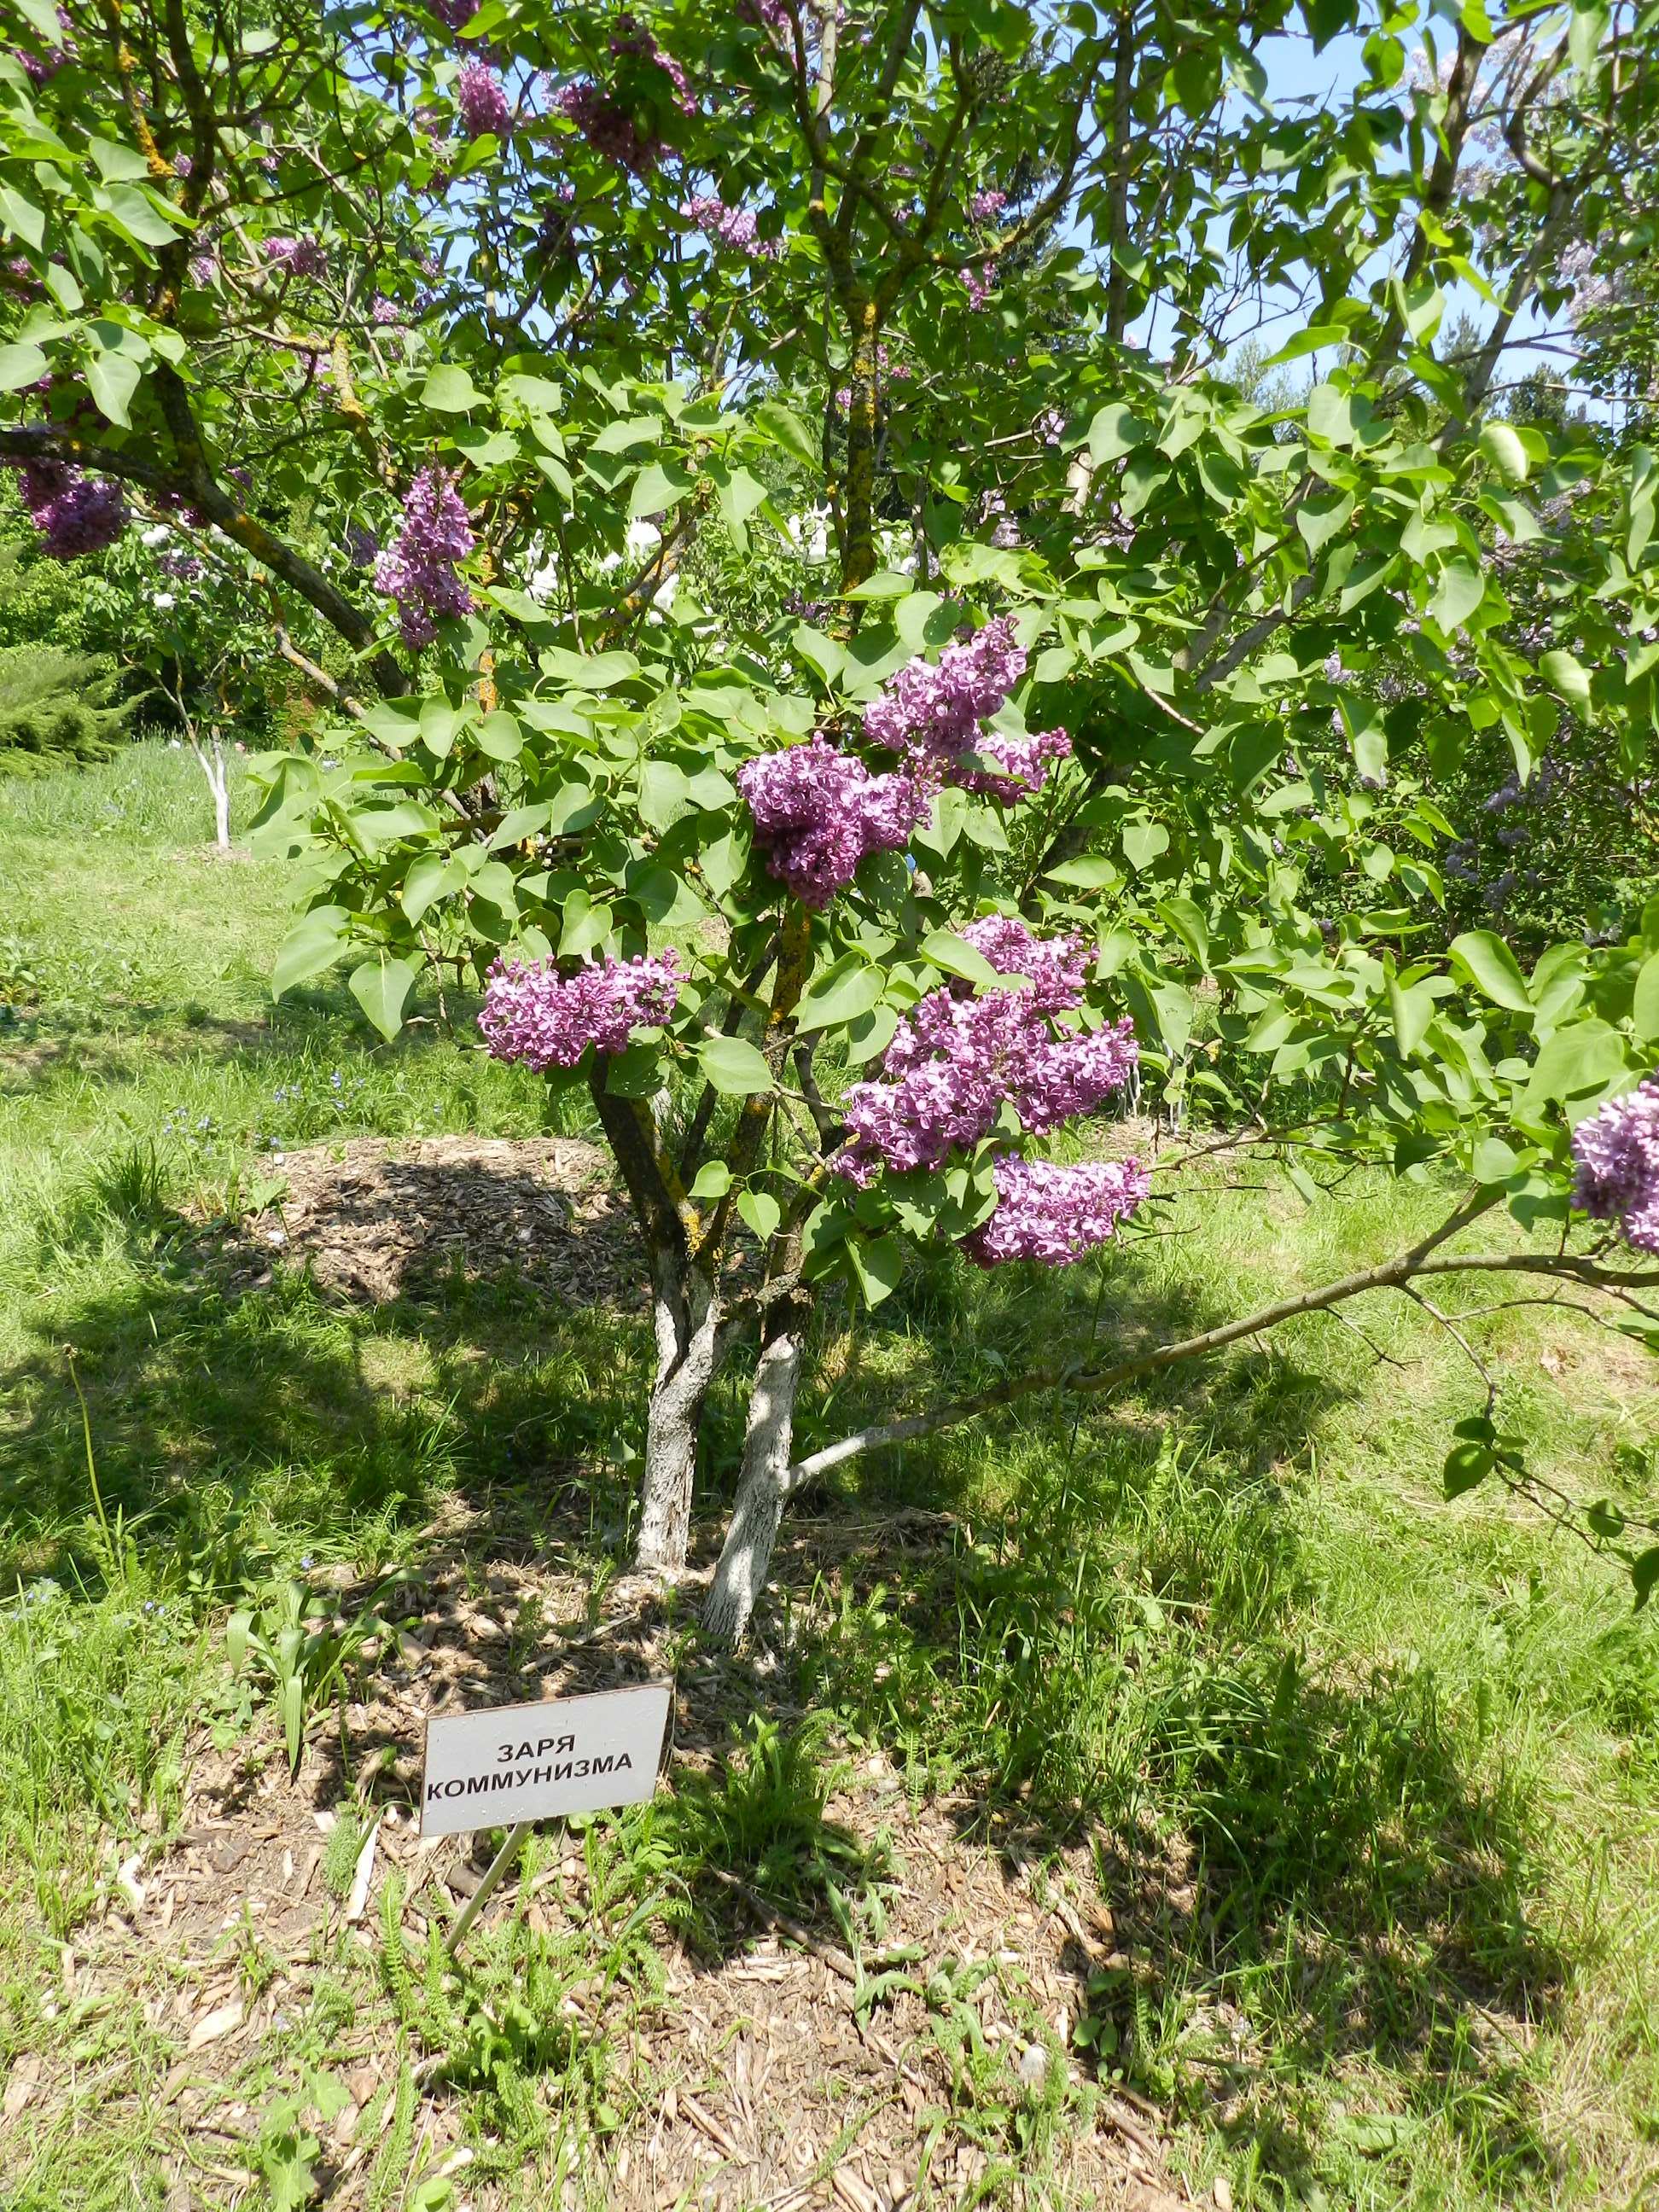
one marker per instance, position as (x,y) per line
(1309,1875)
(1091,1635)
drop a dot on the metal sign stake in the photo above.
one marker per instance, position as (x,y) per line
(482,1895)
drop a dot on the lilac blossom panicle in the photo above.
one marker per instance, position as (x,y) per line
(820,811)
(931,711)
(296,257)
(534,1015)
(733,228)
(481,98)
(1054,1213)
(1616,1154)
(979,284)
(632,37)
(41,66)
(75,514)
(954,1061)
(608,127)
(418,570)
(985,207)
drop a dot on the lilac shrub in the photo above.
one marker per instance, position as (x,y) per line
(1616,1154)
(534,1014)
(418,570)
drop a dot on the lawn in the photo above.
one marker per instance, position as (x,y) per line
(1173,1798)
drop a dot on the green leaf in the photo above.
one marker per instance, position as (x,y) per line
(1412,1011)
(1090,872)
(841,993)
(21,365)
(957,958)
(381,988)
(714,1180)
(1115,431)
(1459,593)
(1488,961)
(1644,1573)
(762,1212)
(426,881)
(588,671)
(1466,1464)
(788,431)
(1143,842)
(584,926)
(660,485)
(1645,1007)
(1318,520)
(734,1067)
(876,1264)
(1330,414)
(313,945)
(1580,1059)
(449,389)
(1504,450)
(22,216)
(1565,674)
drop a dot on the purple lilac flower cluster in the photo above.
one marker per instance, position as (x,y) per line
(764,14)
(632,39)
(1616,1154)
(362,546)
(979,284)
(75,514)
(1052,1213)
(296,257)
(819,812)
(733,228)
(955,1060)
(985,207)
(607,119)
(533,1014)
(480,102)
(418,570)
(46,64)
(609,128)
(932,711)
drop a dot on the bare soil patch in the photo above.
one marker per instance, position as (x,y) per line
(750,2080)
(373,1219)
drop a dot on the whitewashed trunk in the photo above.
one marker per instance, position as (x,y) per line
(213,767)
(746,1557)
(687,1324)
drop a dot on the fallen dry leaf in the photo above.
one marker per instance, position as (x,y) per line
(357,1902)
(219,2022)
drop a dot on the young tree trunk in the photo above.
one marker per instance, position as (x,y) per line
(686,1318)
(746,1558)
(218,778)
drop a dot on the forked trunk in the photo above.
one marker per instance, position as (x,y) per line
(746,1558)
(686,1319)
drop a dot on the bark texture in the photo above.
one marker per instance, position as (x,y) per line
(686,1319)
(746,1557)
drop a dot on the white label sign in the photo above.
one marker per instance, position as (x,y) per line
(531,1762)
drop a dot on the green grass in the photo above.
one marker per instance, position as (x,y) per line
(1371,1782)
